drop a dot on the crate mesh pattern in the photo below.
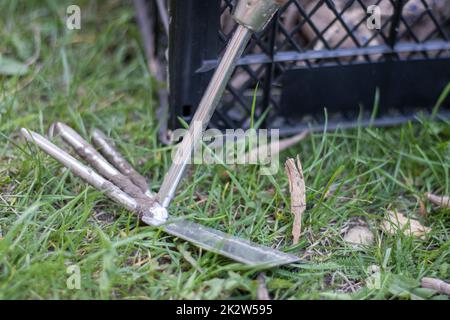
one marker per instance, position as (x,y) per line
(313,34)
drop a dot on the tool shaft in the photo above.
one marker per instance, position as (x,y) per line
(203,114)
(256,14)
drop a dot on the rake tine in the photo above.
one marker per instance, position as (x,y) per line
(108,150)
(88,175)
(96,160)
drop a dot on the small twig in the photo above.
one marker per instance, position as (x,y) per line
(436,284)
(146,23)
(298,195)
(163,15)
(276,147)
(441,201)
(261,292)
(156,67)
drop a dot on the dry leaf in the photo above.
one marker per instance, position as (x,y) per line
(359,235)
(441,201)
(396,220)
(261,292)
(436,284)
(298,194)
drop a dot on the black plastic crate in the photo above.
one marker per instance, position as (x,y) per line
(314,55)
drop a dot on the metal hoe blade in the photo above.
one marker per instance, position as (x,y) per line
(229,246)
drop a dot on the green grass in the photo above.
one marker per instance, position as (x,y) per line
(97,77)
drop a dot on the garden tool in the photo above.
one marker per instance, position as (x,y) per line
(120,182)
(251,16)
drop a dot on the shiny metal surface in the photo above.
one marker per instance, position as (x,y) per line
(255,14)
(229,246)
(80,170)
(203,114)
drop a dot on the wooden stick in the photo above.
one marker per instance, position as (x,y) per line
(298,195)
(441,201)
(436,284)
(262,293)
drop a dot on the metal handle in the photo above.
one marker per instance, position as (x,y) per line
(256,14)
(252,15)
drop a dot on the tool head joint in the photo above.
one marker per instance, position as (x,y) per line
(256,14)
